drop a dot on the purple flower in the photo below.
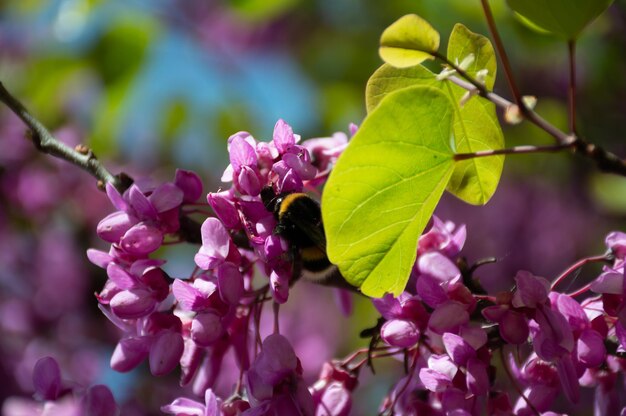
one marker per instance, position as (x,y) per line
(136,293)
(332,392)
(183,406)
(406,317)
(202,297)
(217,246)
(158,338)
(532,291)
(47,379)
(464,355)
(190,183)
(553,341)
(275,382)
(142,218)
(543,386)
(223,204)
(590,347)
(512,325)
(283,137)
(616,242)
(438,376)
(448,317)
(243,170)
(436,276)
(400,333)
(295,165)
(76,400)
(99,401)
(442,237)
(325,151)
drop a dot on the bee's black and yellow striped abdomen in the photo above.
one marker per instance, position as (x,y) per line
(299,220)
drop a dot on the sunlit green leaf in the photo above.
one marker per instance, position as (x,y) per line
(385,187)
(408,41)
(476,126)
(565,18)
(388,79)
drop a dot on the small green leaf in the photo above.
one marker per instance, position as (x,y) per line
(464,42)
(388,79)
(385,187)
(408,41)
(476,125)
(565,18)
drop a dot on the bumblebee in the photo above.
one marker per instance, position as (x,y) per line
(299,220)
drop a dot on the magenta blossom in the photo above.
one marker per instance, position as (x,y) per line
(275,382)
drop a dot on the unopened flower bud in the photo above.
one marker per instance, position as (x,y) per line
(165,352)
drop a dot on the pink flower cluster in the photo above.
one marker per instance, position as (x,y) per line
(135,296)
(55,396)
(444,325)
(446,328)
(194,322)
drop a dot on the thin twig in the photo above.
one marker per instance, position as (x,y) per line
(561,137)
(606,161)
(476,85)
(502,54)
(580,263)
(45,142)
(516,150)
(276,309)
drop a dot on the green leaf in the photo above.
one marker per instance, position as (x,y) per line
(476,125)
(408,41)
(388,79)
(565,18)
(385,187)
(464,42)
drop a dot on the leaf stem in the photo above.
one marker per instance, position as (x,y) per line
(579,264)
(475,84)
(504,59)
(606,161)
(516,150)
(45,142)
(571,48)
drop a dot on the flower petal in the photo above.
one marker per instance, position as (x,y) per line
(166,196)
(400,333)
(165,352)
(47,379)
(129,353)
(190,183)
